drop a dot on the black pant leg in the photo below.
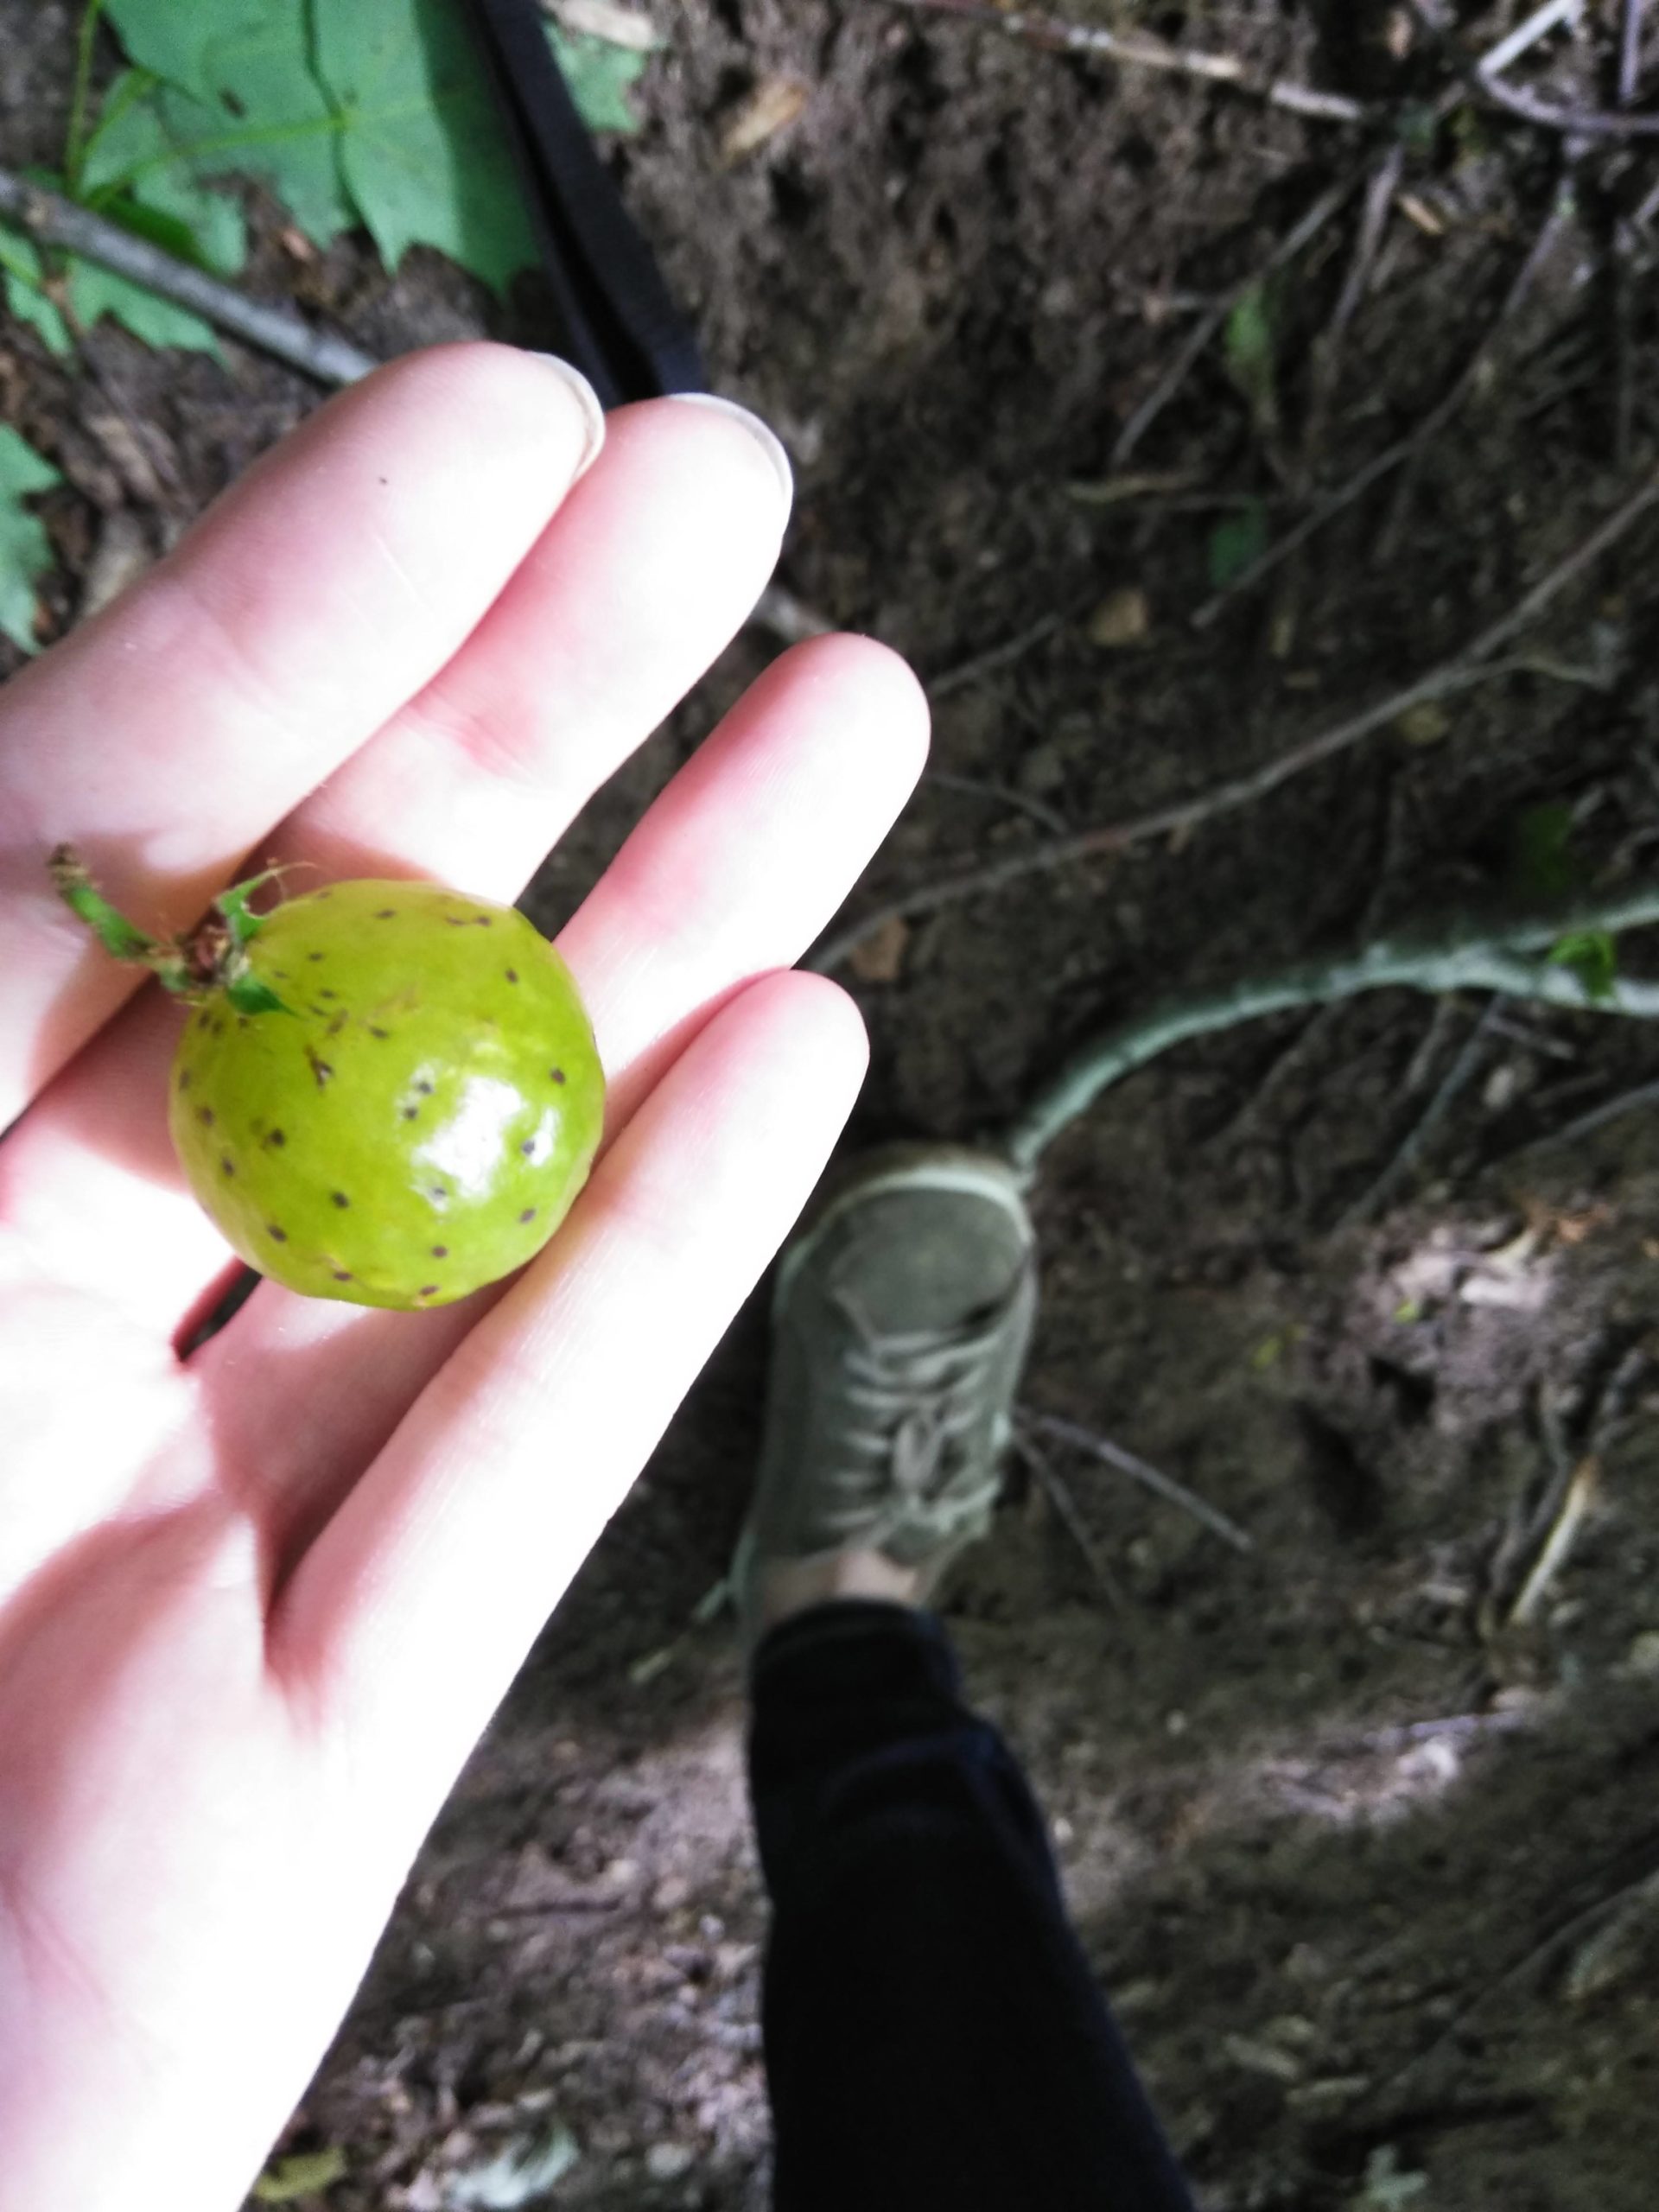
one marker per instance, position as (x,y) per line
(934,2037)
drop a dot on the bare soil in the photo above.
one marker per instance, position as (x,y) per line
(1371,1874)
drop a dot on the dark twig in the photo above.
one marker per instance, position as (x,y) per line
(1408,450)
(1143,53)
(969,672)
(1456,1079)
(1611,1109)
(1205,329)
(1058,1494)
(1630,51)
(1150,1477)
(1506,955)
(1572,123)
(1476,663)
(1002,794)
(51,221)
(1383,183)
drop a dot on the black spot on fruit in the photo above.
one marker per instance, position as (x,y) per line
(424,1088)
(528,1148)
(226,1165)
(338,1023)
(342,1275)
(385,914)
(327,994)
(410,1113)
(313,956)
(485,921)
(205,1115)
(280,1235)
(440,1251)
(529,1214)
(382,1034)
(184,1078)
(340,1199)
(278,1139)
(438,1195)
(512,975)
(428,1290)
(321,1068)
(557,1074)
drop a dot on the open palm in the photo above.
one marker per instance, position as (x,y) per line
(255,1606)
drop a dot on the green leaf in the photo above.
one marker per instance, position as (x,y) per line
(25,550)
(138,170)
(421,147)
(241,95)
(1251,354)
(302,2173)
(26,296)
(94,291)
(600,75)
(1541,862)
(1237,543)
(1592,955)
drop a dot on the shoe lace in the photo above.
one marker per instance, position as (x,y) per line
(915,1397)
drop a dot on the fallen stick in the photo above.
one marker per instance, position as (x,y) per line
(51,221)
(1142,1470)
(1145,53)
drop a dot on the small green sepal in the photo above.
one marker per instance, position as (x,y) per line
(249,995)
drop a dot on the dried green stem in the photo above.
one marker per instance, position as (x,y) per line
(213,955)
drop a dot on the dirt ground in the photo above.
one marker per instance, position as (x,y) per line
(1371,1869)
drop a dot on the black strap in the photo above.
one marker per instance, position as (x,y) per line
(622,328)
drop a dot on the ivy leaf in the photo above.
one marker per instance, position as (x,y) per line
(26,294)
(599,74)
(94,291)
(137,170)
(1237,543)
(25,550)
(1592,955)
(421,149)
(241,94)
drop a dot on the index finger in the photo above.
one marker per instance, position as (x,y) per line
(167,736)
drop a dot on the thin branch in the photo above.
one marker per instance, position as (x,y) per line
(1473,665)
(1002,794)
(1526,35)
(1502,954)
(969,672)
(1143,53)
(51,221)
(1611,1109)
(1058,1492)
(1456,1079)
(1380,189)
(1575,123)
(1558,1544)
(1630,52)
(1199,338)
(1150,1477)
(1406,452)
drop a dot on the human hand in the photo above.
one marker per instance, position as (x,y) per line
(256,1606)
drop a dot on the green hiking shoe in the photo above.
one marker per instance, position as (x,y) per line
(902,1312)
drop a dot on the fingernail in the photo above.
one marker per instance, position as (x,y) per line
(766,438)
(593,414)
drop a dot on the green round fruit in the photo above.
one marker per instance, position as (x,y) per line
(411,1107)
